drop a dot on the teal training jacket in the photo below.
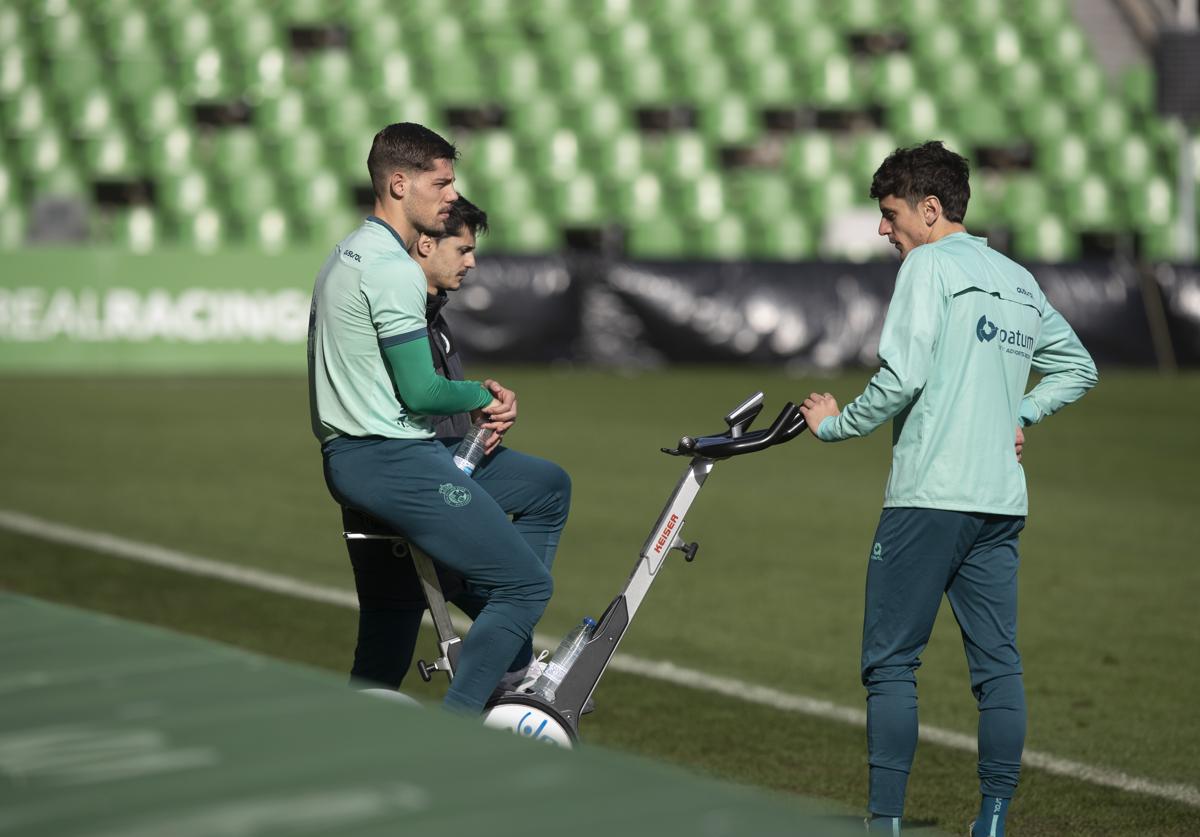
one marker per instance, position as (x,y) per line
(965,326)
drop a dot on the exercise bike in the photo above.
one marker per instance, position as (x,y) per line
(530,715)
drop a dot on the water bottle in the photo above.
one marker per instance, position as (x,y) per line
(563,658)
(470,449)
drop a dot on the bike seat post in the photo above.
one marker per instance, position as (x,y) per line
(361,528)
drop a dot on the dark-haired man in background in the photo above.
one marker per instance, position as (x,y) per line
(372,390)
(963,330)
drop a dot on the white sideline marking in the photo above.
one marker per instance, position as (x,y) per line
(662,670)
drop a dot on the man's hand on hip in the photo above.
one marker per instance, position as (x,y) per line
(1020,443)
(818,407)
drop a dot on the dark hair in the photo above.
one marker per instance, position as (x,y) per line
(926,169)
(463,213)
(407,146)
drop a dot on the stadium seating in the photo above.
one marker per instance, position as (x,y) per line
(731,128)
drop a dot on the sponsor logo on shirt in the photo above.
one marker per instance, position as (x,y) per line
(1015,342)
(877,552)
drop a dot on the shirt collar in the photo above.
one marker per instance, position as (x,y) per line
(376,219)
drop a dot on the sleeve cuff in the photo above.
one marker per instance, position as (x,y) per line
(1028,414)
(825,429)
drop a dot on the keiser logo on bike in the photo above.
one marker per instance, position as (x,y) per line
(665,536)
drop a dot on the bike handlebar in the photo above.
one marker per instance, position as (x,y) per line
(787,426)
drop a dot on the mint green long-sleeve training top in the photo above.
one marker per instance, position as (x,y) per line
(370,370)
(964,328)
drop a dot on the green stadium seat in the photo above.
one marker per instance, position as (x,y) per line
(771,82)
(867,152)
(172,151)
(1090,204)
(185,194)
(1024,196)
(644,82)
(93,113)
(982,121)
(831,194)
(1045,238)
(985,209)
(135,78)
(72,73)
(10,191)
(578,201)
(41,151)
(16,70)
(189,33)
(12,227)
(581,78)
(600,119)
(914,119)
(1137,89)
(937,44)
(109,156)
(1063,159)
(281,115)
(700,198)
(328,74)
(203,230)
(786,237)
(25,113)
(1020,84)
(684,155)
(860,15)
(64,33)
(1000,45)
(136,229)
(396,76)
(252,34)
(347,118)
(299,153)
(247,195)
(723,238)
(760,196)
(273,230)
(732,120)
(1083,85)
(749,42)
(531,232)
(619,159)
(1131,161)
(1106,123)
(519,74)
(640,198)
(319,195)
(532,120)
(1152,203)
(893,78)
(232,152)
(265,75)
(204,76)
(655,237)
(705,81)
(376,36)
(13,31)
(808,157)
(835,83)
(129,35)
(687,41)
(560,158)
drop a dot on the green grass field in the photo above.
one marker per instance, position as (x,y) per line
(226,469)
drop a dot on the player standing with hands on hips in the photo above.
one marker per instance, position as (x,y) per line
(964,328)
(373,394)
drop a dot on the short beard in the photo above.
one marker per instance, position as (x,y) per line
(423,229)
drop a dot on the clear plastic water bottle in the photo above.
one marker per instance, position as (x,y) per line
(563,658)
(470,449)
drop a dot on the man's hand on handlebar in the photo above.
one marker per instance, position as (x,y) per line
(500,414)
(818,407)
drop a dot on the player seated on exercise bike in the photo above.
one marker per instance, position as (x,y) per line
(373,392)
(536,492)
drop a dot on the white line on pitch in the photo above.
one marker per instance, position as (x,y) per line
(655,669)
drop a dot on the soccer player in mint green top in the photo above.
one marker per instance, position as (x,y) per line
(373,391)
(964,328)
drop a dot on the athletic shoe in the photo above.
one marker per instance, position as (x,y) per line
(522,679)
